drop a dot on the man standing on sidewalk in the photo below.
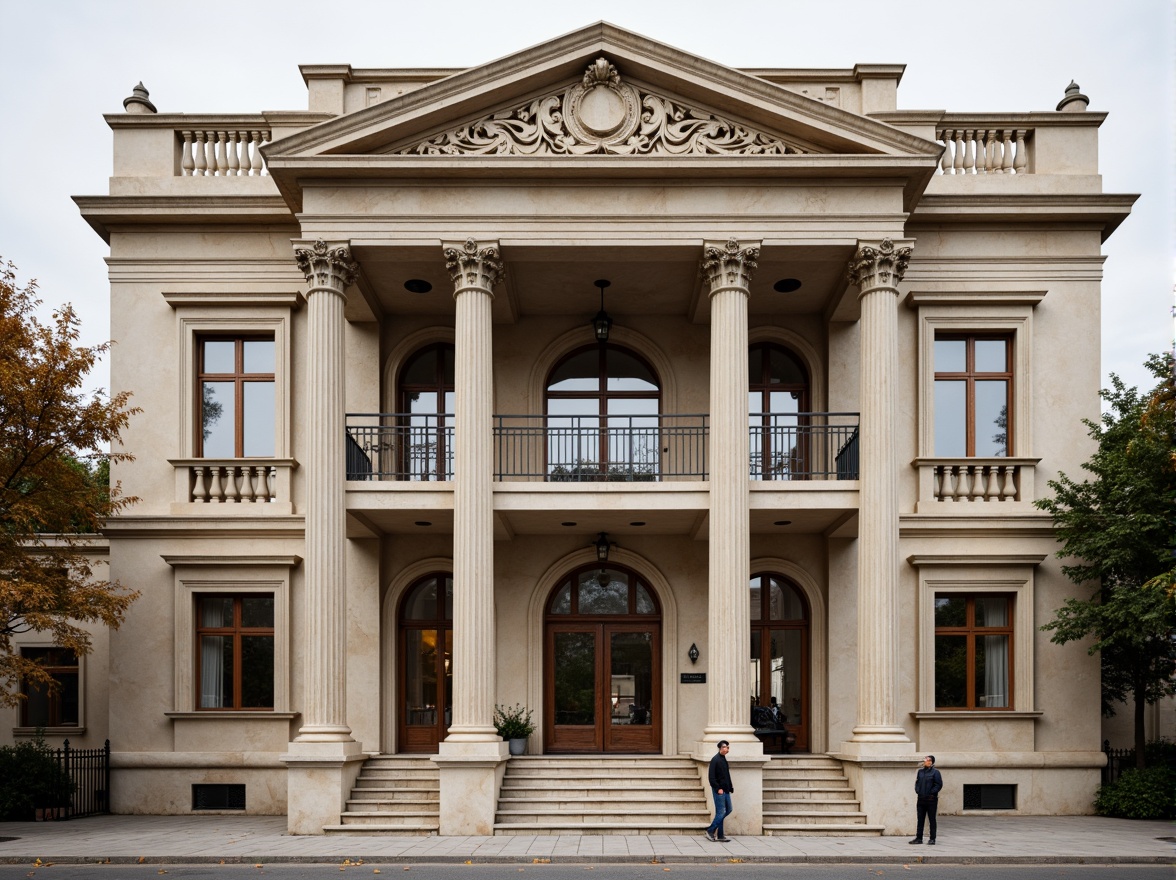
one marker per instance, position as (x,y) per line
(719,776)
(928,782)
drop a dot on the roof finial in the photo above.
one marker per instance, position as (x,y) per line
(1074,101)
(138,101)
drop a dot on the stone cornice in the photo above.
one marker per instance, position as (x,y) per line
(1093,210)
(920,559)
(1009,525)
(205,525)
(104,213)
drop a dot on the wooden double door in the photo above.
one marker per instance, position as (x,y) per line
(602,662)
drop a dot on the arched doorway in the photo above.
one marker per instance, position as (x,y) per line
(425,396)
(425,651)
(602,664)
(778,413)
(602,405)
(780,649)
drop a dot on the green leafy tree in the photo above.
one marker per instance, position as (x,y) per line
(55,442)
(1118,530)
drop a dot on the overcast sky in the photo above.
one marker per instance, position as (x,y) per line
(66,62)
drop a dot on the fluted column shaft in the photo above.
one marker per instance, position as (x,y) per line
(475,268)
(877,268)
(726,271)
(328,269)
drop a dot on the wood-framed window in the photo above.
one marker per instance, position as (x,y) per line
(427,403)
(235,397)
(973,395)
(973,651)
(59,707)
(235,651)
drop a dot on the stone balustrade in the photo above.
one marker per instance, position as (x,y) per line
(967,481)
(222,152)
(981,150)
(234,481)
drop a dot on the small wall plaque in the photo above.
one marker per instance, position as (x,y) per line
(693,678)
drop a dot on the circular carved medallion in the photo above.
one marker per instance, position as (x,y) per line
(601,110)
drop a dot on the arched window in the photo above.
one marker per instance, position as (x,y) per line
(778,413)
(426,666)
(425,396)
(602,408)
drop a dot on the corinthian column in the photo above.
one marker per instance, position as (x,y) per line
(726,272)
(328,269)
(877,268)
(475,268)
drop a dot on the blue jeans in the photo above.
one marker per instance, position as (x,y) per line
(723,809)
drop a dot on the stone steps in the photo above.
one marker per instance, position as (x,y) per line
(597,795)
(393,795)
(811,796)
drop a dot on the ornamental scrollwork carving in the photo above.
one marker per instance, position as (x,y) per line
(881,266)
(326,267)
(728,265)
(472,265)
(602,114)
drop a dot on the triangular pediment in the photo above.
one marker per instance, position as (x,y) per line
(601,90)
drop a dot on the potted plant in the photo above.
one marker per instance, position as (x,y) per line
(514,725)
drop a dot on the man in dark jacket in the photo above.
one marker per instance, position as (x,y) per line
(928,782)
(719,776)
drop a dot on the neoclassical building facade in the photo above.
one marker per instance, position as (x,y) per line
(670,401)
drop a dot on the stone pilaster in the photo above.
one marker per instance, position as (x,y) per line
(471,757)
(876,269)
(323,759)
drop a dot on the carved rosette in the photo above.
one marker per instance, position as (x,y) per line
(327,267)
(881,266)
(473,265)
(728,265)
(602,114)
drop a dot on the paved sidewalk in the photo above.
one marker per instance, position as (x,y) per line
(258,839)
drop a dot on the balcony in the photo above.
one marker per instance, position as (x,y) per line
(592,449)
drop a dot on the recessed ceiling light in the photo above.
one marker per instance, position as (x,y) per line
(417,285)
(782,522)
(567,524)
(638,523)
(421,522)
(786,285)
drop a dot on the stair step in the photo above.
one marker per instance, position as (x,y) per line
(620,828)
(822,830)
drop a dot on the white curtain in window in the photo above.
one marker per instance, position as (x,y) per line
(212,688)
(996,653)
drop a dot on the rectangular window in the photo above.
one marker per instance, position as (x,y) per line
(42,707)
(235,397)
(973,651)
(973,396)
(222,796)
(235,651)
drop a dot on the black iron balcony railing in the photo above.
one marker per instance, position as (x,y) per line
(399,446)
(803,446)
(578,449)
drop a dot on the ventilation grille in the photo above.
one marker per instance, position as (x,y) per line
(990,797)
(218,797)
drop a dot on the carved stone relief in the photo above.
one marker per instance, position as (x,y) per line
(602,114)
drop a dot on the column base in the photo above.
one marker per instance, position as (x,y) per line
(471,777)
(324,733)
(320,776)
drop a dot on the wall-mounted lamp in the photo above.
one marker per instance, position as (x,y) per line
(693,653)
(602,322)
(602,546)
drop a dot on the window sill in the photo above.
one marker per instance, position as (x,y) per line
(66,730)
(973,714)
(231,715)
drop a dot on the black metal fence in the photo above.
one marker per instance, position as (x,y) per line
(89,774)
(399,446)
(586,449)
(803,446)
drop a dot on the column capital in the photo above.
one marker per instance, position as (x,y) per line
(728,264)
(879,264)
(327,266)
(473,264)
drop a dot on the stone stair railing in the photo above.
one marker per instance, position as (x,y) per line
(976,148)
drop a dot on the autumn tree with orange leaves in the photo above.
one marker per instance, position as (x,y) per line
(55,448)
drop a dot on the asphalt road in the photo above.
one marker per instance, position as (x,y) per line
(717,871)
